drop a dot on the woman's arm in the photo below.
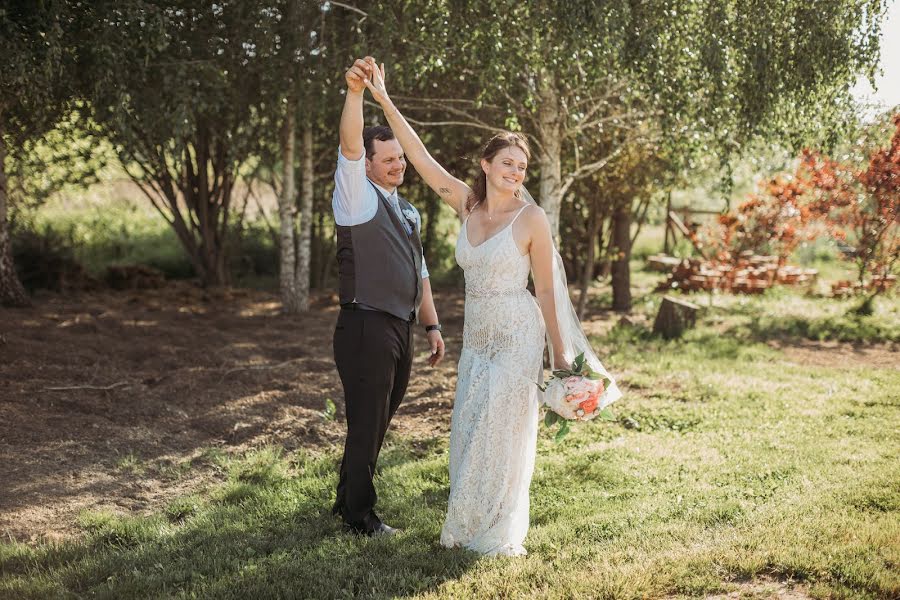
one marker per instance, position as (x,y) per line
(451,190)
(541,252)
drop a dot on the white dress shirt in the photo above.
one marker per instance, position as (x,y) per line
(355,202)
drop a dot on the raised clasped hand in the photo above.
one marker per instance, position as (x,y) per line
(358,73)
(375,81)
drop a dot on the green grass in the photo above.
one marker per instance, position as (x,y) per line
(103,231)
(727,463)
(789,315)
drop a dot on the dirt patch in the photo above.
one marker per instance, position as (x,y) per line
(763,588)
(110,400)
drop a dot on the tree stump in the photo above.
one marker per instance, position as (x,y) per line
(674,317)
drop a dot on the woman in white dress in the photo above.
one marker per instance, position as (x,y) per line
(493,433)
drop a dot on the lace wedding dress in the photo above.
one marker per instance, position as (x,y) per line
(494,426)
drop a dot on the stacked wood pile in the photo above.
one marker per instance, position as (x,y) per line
(662,262)
(752,274)
(844,288)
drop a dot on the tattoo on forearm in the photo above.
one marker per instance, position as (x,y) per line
(445,191)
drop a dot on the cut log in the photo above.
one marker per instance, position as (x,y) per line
(674,317)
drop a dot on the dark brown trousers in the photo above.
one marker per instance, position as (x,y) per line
(373,353)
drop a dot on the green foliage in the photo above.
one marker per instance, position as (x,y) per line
(187,94)
(100,234)
(94,231)
(36,75)
(45,259)
(329,411)
(66,158)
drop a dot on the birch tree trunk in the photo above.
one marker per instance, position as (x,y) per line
(11,291)
(287,260)
(549,154)
(304,247)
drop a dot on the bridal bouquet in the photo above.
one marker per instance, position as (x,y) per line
(575,394)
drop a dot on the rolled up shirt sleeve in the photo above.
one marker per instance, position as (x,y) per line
(351,200)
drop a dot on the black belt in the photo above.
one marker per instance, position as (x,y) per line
(366,307)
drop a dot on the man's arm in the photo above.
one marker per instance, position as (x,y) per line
(352,115)
(428,316)
(352,202)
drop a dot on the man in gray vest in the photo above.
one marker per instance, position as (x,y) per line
(384,290)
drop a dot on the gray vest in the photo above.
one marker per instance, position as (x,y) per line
(379,264)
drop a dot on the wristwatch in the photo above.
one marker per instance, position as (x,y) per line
(436,327)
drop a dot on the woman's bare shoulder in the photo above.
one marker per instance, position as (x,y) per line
(535,217)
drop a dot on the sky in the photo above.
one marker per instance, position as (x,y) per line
(887,83)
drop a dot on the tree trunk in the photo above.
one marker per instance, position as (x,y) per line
(11,291)
(549,157)
(587,274)
(605,243)
(432,214)
(621,271)
(315,251)
(194,198)
(287,260)
(304,258)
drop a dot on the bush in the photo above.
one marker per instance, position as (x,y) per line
(253,253)
(44,259)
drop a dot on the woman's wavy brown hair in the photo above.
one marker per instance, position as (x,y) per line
(505,139)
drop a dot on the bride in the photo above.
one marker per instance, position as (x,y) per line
(503,237)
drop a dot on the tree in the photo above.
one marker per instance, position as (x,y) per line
(177,88)
(860,204)
(712,75)
(33,96)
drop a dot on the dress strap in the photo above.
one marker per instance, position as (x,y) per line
(519,213)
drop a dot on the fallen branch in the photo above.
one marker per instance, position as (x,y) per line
(86,387)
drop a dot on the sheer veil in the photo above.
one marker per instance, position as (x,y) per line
(569,326)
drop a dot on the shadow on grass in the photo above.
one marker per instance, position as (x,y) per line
(747,326)
(265,533)
(842,328)
(702,343)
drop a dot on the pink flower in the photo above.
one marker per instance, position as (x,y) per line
(590,405)
(578,398)
(588,395)
(578,385)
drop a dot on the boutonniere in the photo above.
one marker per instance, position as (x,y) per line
(410,215)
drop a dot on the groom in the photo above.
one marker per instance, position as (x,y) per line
(384,290)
